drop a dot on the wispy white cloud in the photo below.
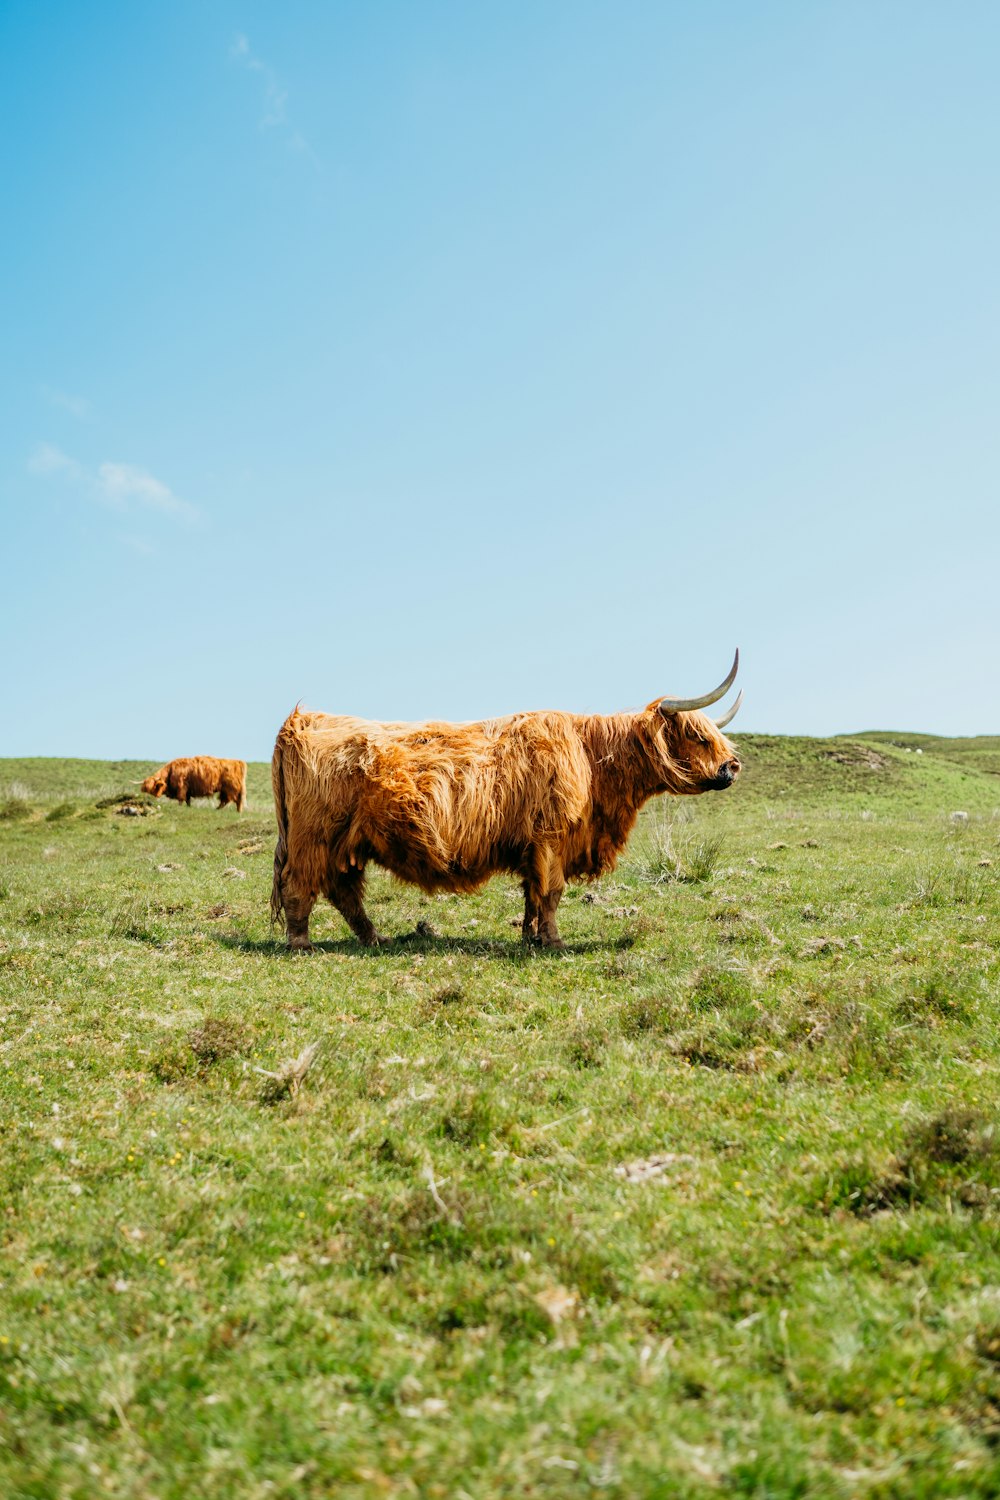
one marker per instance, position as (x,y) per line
(123,484)
(78,405)
(275,100)
(46,458)
(122,487)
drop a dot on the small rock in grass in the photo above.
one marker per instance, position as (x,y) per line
(648,1167)
(959,817)
(823,945)
(820,945)
(558,1303)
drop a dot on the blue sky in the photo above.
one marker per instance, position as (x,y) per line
(442,360)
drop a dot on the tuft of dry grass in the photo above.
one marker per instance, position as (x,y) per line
(286,1080)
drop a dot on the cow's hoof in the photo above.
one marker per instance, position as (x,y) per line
(301,945)
(552,943)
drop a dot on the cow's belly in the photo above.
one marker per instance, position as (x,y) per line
(457,876)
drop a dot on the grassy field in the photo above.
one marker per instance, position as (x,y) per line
(707,1204)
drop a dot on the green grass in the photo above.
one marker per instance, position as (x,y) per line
(707,1204)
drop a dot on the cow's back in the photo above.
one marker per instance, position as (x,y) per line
(429,799)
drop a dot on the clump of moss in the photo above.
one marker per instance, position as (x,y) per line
(217,1038)
(587,1045)
(211,1042)
(172,1062)
(13,809)
(952,1156)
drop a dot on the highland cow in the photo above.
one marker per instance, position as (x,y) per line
(548,797)
(200,776)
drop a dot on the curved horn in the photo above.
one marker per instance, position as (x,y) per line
(731,715)
(675,705)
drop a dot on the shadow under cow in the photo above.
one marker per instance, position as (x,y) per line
(511,949)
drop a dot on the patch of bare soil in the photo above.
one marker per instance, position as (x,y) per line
(857,756)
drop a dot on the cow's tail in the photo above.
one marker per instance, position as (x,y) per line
(281,848)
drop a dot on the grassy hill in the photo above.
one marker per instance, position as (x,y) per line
(706,1204)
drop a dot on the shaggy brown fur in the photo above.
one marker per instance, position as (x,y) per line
(549,797)
(200,776)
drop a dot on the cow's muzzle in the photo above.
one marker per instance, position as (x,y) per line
(726,776)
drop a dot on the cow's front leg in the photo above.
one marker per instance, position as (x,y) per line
(345,892)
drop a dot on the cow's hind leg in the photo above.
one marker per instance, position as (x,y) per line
(345,891)
(529,927)
(548,932)
(299,876)
(298,907)
(543,888)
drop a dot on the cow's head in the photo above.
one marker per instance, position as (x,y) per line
(694,755)
(156,784)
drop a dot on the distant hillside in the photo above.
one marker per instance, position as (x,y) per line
(981,753)
(918,771)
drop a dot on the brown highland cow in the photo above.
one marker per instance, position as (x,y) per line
(200,776)
(548,797)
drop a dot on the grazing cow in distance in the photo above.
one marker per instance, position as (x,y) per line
(200,776)
(548,797)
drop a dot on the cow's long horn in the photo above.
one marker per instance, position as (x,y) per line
(731,715)
(675,705)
